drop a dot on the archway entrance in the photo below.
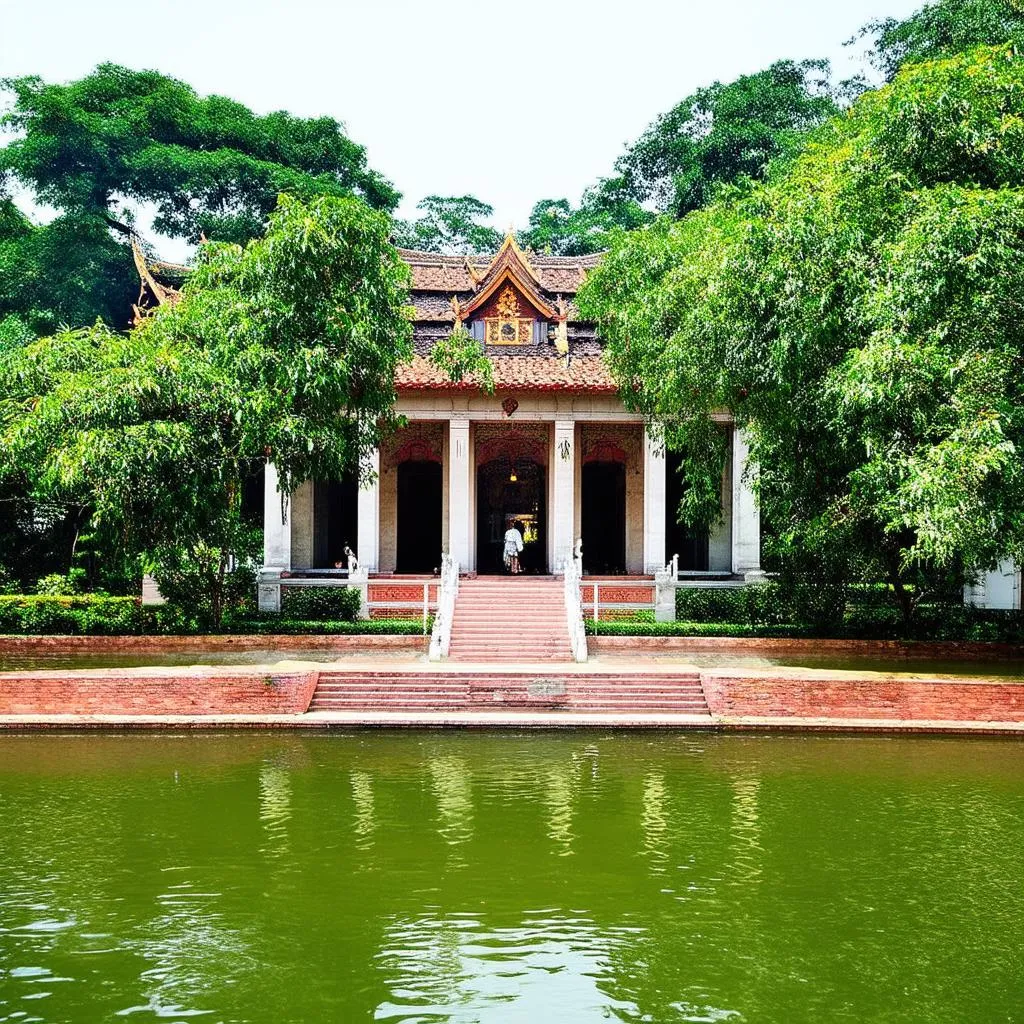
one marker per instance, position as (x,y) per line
(603,517)
(690,545)
(418,548)
(510,491)
(336,522)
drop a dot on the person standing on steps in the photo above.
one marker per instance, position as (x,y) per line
(513,548)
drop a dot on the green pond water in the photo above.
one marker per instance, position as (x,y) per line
(564,877)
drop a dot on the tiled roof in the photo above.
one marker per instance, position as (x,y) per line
(436,307)
(435,272)
(515,373)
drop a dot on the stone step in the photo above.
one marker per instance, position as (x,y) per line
(490,620)
(496,696)
(506,700)
(512,688)
(488,677)
(499,610)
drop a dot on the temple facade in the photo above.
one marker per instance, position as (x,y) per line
(553,449)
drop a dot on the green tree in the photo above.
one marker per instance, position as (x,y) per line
(559,228)
(860,315)
(69,271)
(723,133)
(941,29)
(282,350)
(98,148)
(209,164)
(450,224)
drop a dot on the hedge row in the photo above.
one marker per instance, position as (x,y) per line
(93,615)
(81,614)
(626,627)
(323,604)
(362,627)
(972,625)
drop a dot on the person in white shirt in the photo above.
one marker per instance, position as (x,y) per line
(513,547)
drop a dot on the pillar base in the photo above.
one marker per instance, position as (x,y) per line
(268,590)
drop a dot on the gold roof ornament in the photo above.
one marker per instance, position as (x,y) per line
(510,265)
(562,327)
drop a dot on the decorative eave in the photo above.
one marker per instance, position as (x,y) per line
(515,374)
(153,291)
(161,293)
(530,293)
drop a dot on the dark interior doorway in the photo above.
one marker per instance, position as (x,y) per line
(335,520)
(510,491)
(419,517)
(603,517)
(691,546)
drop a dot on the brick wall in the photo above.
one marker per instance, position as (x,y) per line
(26,646)
(157,692)
(768,646)
(749,693)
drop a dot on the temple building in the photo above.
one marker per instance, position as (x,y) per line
(553,449)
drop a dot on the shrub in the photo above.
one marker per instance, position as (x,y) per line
(713,629)
(938,623)
(57,585)
(78,614)
(8,585)
(207,585)
(761,604)
(322,603)
(361,627)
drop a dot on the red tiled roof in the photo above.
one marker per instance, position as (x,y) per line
(436,272)
(515,373)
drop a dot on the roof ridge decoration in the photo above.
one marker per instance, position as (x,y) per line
(510,263)
(474,275)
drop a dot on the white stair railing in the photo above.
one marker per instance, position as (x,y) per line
(574,603)
(665,582)
(441,634)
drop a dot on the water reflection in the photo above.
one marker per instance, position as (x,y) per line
(571,877)
(189,948)
(654,821)
(453,790)
(559,796)
(548,967)
(275,808)
(365,822)
(745,827)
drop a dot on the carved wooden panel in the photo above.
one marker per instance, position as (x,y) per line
(616,442)
(618,595)
(420,442)
(523,442)
(394,592)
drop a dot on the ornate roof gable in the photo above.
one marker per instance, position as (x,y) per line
(510,266)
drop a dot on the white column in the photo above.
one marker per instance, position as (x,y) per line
(458,493)
(563,495)
(997,588)
(277,542)
(746,517)
(368,513)
(654,503)
(277,526)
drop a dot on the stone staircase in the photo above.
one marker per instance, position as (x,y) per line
(452,689)
(505,619)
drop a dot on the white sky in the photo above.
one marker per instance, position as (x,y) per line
(512,102)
